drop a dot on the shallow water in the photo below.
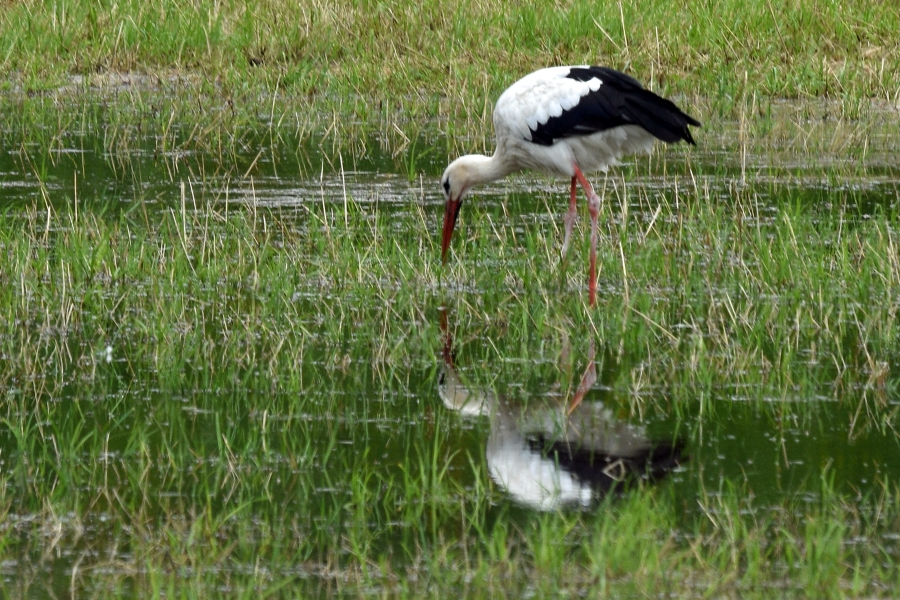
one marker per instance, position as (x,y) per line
(368,423)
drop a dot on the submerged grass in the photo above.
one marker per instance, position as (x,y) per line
(693,276)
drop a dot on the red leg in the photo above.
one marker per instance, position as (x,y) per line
(594,204)
(569,219)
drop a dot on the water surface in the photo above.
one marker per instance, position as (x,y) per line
(348,430)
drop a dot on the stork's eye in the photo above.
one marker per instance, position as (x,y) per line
(447,186)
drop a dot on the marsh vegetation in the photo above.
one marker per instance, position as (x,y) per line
(220,304)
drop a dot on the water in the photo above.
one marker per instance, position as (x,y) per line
(353,432)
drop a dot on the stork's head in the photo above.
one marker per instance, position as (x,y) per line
(454,181)
(459,176)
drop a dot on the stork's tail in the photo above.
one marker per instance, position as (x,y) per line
(659,116)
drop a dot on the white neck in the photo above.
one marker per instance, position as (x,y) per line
(485,169)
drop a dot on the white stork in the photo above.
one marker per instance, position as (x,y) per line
(566,121)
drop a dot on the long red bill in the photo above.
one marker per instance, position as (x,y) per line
(451,213)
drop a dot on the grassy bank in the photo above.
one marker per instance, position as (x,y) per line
(231,78)
(434,59)
(226,78)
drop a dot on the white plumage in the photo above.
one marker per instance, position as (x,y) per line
(566,121)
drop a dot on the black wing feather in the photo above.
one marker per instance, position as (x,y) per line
(621,100)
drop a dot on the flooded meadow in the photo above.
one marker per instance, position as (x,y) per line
(234,364)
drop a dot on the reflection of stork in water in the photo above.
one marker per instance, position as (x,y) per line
(547,457)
